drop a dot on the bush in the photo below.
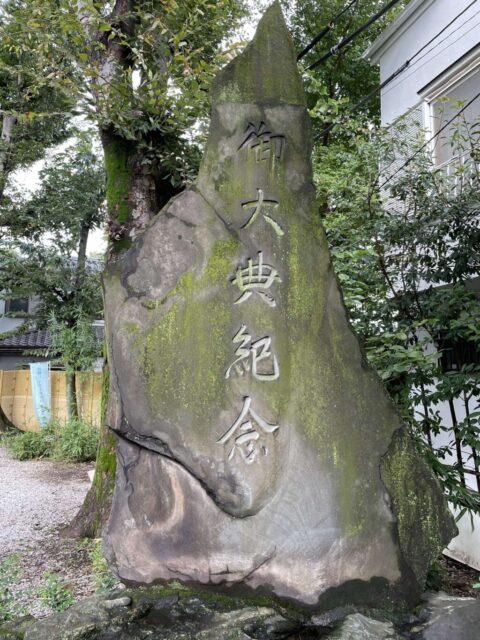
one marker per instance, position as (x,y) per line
(75,441)
(29,445)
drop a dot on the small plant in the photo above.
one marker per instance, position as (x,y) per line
(54,594)
(10,574)
(30,444)
(77,441)
(103,577)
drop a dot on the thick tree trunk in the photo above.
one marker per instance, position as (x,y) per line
(94,512)
(132,200)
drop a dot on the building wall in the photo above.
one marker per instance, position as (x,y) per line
(9,362)
(429,17)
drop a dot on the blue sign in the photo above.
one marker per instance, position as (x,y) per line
(39,375)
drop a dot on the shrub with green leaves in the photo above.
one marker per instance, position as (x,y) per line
(30,444)
(74,441)
(77,441)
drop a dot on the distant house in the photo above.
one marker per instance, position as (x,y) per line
(17,351)
(425,96)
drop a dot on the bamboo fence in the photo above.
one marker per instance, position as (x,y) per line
(17,403)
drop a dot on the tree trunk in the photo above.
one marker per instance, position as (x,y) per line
(5,140)
(5,425)
(72,400)
(94,512)
(133,198)
(82,255)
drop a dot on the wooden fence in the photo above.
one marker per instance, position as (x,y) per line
(17,403)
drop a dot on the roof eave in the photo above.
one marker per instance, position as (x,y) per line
(395,29)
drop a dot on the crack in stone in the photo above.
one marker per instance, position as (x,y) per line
(227,225)
(155,445)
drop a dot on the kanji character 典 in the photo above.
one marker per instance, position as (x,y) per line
(256,278)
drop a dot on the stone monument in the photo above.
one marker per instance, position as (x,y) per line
(257,451)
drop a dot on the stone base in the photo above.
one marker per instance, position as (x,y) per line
(172,614)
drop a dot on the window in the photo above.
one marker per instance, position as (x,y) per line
(458,353)
(454,145)
(16,305)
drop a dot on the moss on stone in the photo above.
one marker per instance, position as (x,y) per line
(424,526)
(185,349)
(266,72)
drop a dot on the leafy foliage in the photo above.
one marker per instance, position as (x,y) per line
(345,78)
(74,346)
(34,106)
(54,594)
(41,232)
(104,579)
(77,441)
(405,264)
(74,441)
(30,444)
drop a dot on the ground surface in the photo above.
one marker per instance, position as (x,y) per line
(37,497)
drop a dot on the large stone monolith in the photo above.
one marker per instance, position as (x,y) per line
(256,449)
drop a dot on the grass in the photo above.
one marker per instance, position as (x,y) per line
(53,593)
(10,575)
(103,578)
(74,441)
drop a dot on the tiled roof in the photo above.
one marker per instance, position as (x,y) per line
(29,340)
(37,339)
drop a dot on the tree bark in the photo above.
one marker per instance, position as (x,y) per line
(94,512)
(133,197)
(6,426)
(82,255)
(72,401)
(5,140)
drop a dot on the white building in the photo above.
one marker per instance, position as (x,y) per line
(441,39)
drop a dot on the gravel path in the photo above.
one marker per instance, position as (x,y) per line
(37,497)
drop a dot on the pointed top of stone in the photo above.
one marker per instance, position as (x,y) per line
(266,72)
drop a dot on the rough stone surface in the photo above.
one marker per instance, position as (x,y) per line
(451,618)
(257,450)
(166,614)
(359,627)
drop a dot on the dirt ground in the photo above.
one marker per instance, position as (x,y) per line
(457,579)
(38,497)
